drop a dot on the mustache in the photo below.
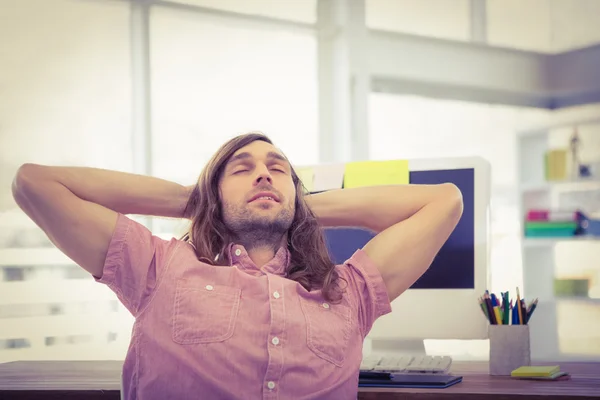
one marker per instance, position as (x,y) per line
(266,188)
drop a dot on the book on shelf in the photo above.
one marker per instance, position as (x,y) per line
(556,164)
(572,287)
(548,223)
(549,233)
(552,215)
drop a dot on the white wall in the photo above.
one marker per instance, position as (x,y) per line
(304,11)
(445,19)
(546,26)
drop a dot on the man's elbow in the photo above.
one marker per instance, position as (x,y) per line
(25,181)
(453,198)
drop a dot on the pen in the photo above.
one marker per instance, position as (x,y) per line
(502,310)
(533,305)
(506,309)
(488,303)
(484,309)
(518,305)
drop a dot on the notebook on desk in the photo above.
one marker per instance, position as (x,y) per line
(439,381)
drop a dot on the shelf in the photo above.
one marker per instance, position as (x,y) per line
(544,242)
(571,299)
(579,184)
(22,257)
(586,300)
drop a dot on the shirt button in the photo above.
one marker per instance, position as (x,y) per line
(238,252)
(271,385)
(275,341)
(209,287)
(325,305)
(276,294)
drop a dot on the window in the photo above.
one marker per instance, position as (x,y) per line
(214,79)
(65,100)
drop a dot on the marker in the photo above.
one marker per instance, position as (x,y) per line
(518,305)
(533,306)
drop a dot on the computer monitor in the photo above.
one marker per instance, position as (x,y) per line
(442,304)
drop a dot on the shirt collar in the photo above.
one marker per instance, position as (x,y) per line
(238,256)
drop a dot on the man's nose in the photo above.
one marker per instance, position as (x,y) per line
(263,176)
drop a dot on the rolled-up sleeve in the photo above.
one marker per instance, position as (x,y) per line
(366,288)
(135,263)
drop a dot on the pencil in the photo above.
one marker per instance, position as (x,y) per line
(506,312)
(497,315)
(483,308)
(519,307)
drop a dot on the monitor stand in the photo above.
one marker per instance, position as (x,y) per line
(413,347)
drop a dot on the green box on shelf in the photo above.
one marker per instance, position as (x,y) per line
(571,287)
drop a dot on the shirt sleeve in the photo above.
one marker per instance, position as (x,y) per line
(367,289)
(135,263)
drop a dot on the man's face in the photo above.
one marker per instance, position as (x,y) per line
(257,192)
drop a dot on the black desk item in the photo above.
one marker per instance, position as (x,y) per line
(409,380)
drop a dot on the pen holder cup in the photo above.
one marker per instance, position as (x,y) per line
(509,348)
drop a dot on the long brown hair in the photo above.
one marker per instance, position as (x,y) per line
(310,263)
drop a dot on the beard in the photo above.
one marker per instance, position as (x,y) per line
(253,229)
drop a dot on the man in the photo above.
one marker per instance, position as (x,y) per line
(248,305)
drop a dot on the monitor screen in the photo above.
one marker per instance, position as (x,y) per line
(454,265)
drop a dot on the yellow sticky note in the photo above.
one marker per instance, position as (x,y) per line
(375,173)
(531,371)
(306,175)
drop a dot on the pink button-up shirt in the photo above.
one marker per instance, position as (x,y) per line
(214,332)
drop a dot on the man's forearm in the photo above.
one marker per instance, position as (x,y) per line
(379,207)
(122,192)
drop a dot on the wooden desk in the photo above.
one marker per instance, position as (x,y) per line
(92,380)
(478,384)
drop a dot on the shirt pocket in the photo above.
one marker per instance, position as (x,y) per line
(327,329)
(204,314)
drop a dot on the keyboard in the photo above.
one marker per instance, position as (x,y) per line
(406,364)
